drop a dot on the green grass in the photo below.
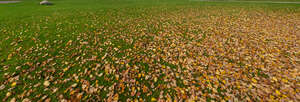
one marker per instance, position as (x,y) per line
(38,42)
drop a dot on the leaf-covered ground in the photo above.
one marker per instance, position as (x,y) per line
(155,53)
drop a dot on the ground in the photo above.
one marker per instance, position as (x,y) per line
(149,50)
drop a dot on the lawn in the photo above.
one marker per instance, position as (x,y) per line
(149,50)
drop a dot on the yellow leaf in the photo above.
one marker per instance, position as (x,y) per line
(182,91)
(222,72)
(224,81)
(271,97)
(238,86)
(9,56)
(136,100)
(155,79)
(85,97)
(298,53)
(274,78)
(284,80)
(250,86)
(173,45)
(163,66)
(278,92)
(208,80)
(8,94)
(227,98)
(284,96)
(214,90)
(116,97)
(13,84)
(143,74)
(254,80)
(72,92)
(66,69)
(218,72)
(169,99)
(153,99)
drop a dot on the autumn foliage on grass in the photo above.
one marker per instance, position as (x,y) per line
(185,54)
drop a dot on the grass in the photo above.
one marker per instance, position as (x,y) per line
(148,50)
